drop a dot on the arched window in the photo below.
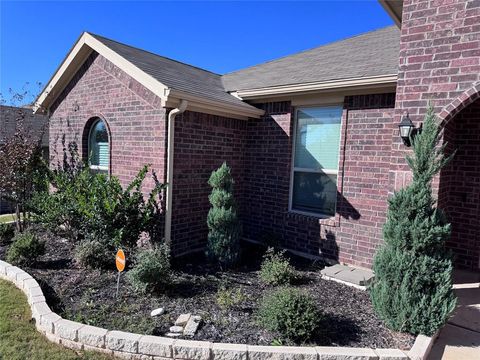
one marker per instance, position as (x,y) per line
(98,147)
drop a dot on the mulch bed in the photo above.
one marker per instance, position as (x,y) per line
(88,296)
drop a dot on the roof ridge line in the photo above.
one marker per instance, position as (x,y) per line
(152,53)
(307,50)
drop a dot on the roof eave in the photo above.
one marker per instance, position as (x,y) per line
(76,58)
(200,104)
(394,9)
(362,82)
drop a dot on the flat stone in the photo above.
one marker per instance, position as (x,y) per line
(182,319)
(332,270)
(67,329)
(34,291)
(391,354)
(157,312)
(173,335)
(281,353)
(156,346)
(36,299)
(176,329)
(21,277)
(122,341)
(229,351)
(92,336)
(349,274)
(30,283)
(3,267)
(192,325)
(12,272)
(47,322)
(357,276)
(191,350)
(39,309)
(345,353)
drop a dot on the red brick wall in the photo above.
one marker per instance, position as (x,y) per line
(460,186)
(202,143)
(439,59)
(354,234)
(133,115)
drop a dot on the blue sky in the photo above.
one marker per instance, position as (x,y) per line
(219,36)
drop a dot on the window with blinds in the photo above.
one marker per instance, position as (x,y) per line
(315,160)
(98,147)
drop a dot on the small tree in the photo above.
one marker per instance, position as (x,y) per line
(21,168)
(224,227)
(412,290)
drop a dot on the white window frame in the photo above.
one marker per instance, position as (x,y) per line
(98,167)
(322,171)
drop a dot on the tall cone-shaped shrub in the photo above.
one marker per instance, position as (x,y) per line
(412,290)
(224,228)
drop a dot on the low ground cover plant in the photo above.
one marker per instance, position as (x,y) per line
(224,233)
(25,249)
(151,270)
(276,269)
(228,298)
(412,291)
(290,312)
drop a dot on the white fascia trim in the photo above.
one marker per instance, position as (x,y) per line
(71,64)
(212,106)
(316,86)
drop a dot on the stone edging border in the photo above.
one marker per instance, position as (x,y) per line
(131,346)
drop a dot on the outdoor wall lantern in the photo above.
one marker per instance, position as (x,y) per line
(407,129)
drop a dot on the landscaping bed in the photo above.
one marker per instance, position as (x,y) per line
(88,296)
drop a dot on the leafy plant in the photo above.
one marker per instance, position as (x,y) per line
(228,298)
(94,210)
(151,270)
(25,249)
(224,227)
(21,167)
(412,290)
(7,232)
(276,269)
(290,312)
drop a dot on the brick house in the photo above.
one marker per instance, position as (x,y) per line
(312,138)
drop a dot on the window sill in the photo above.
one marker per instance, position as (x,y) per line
(327,220)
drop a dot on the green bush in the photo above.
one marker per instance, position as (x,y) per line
(276,269)
(25,249)
(151,270)
(224,227)
(94,210)
(228,298)
(412,290)
(7,232)
(95,253)
(290,312)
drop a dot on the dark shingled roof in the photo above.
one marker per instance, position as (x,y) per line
(174,74)
(34,124)
(370,54)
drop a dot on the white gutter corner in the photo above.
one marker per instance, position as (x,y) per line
(170,145)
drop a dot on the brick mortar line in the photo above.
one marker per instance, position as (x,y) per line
(79,336)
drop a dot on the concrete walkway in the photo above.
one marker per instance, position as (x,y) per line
(460,338)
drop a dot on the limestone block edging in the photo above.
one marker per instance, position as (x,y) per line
(126,345)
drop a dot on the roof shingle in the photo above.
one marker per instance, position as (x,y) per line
(371,54)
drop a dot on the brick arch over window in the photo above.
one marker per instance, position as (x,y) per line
(91,122)
(460,103)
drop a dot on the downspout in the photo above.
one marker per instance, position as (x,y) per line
(170,145)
